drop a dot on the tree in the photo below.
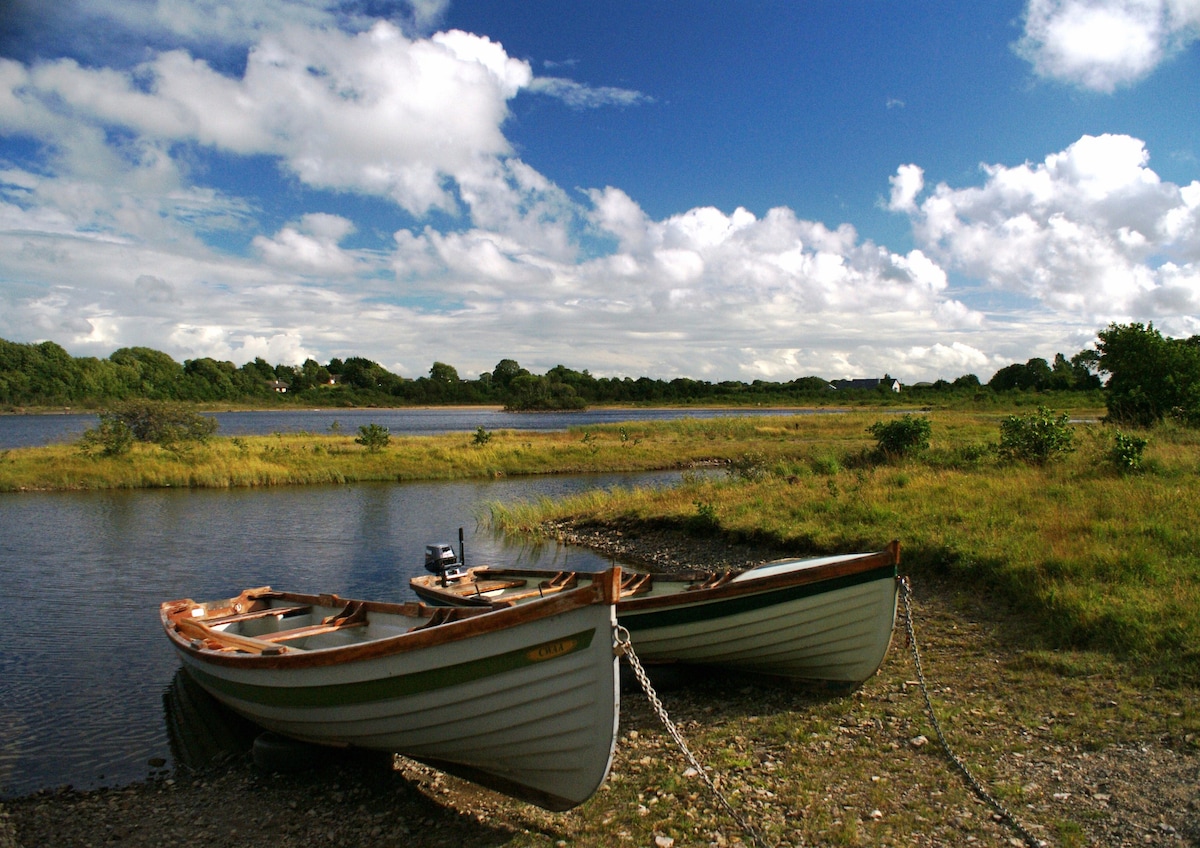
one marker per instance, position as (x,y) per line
(505,371)
(373,437)
(1034,374)
(1150,377)
(149,373)
(208,379)
(443,374)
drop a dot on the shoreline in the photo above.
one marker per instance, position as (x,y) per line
(459,407)
(833,765)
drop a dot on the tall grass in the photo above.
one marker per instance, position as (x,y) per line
(1096,558)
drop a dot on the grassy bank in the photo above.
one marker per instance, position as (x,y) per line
(1092,556)
(294,459)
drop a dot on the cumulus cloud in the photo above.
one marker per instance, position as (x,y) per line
(113,242)
(311,246)
(703,293)
(1105,44)
(907,183)
(1090,231)
(365,112)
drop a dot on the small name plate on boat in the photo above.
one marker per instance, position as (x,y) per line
(550,650)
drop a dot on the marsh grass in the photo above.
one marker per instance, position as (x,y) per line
(1093,556)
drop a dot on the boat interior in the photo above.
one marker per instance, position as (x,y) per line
(275,625)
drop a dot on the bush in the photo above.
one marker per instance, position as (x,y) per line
(164,424)
(1038,437)
(110,438)
(373,437)
(705,519)
(1126,452)
(902,436)
(482,437)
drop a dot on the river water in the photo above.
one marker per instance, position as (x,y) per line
(84,665)
(85,671)
(17,431)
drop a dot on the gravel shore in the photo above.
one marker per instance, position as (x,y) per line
(1104,763)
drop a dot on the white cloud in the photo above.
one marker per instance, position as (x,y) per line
(311,246)
(242,24)
(1091,231)
(114,244)
(907,183)
(580,96)
(1105,44)
(366,112)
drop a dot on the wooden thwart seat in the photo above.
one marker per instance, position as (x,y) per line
(281,612)
(199,630)
(354,615)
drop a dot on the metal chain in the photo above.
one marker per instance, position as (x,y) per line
(625,647)
(1001,810)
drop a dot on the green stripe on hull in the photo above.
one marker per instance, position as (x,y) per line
(653,619)
(388,688)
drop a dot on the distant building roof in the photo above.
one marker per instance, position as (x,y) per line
(867,384)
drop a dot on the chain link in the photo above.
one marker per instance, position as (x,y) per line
(1030,840)
(625,647)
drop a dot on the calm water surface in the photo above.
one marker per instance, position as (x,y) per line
(18,431)
(84,664)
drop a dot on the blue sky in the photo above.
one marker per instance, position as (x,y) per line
(761,190)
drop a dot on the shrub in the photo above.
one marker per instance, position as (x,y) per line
(110,438)
(902,436)
(164,424)
(751,467)
(373,437)
(1037,437)
(481,437)
(705,519)
(1126,452)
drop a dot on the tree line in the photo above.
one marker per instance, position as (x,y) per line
(1149,377)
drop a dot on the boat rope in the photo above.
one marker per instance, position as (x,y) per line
(625,647)
(1029,839)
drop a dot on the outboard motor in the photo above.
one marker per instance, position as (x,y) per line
(441,560)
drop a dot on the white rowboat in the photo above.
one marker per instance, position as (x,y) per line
(823,618)
(524,700)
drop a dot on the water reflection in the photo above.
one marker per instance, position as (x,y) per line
(83,661)
(200,730)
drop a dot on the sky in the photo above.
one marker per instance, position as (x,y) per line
(718,191)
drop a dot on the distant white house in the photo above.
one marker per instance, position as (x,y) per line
(868,384)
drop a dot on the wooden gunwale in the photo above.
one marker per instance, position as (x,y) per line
(471,622)
(708,586)
(725,590)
